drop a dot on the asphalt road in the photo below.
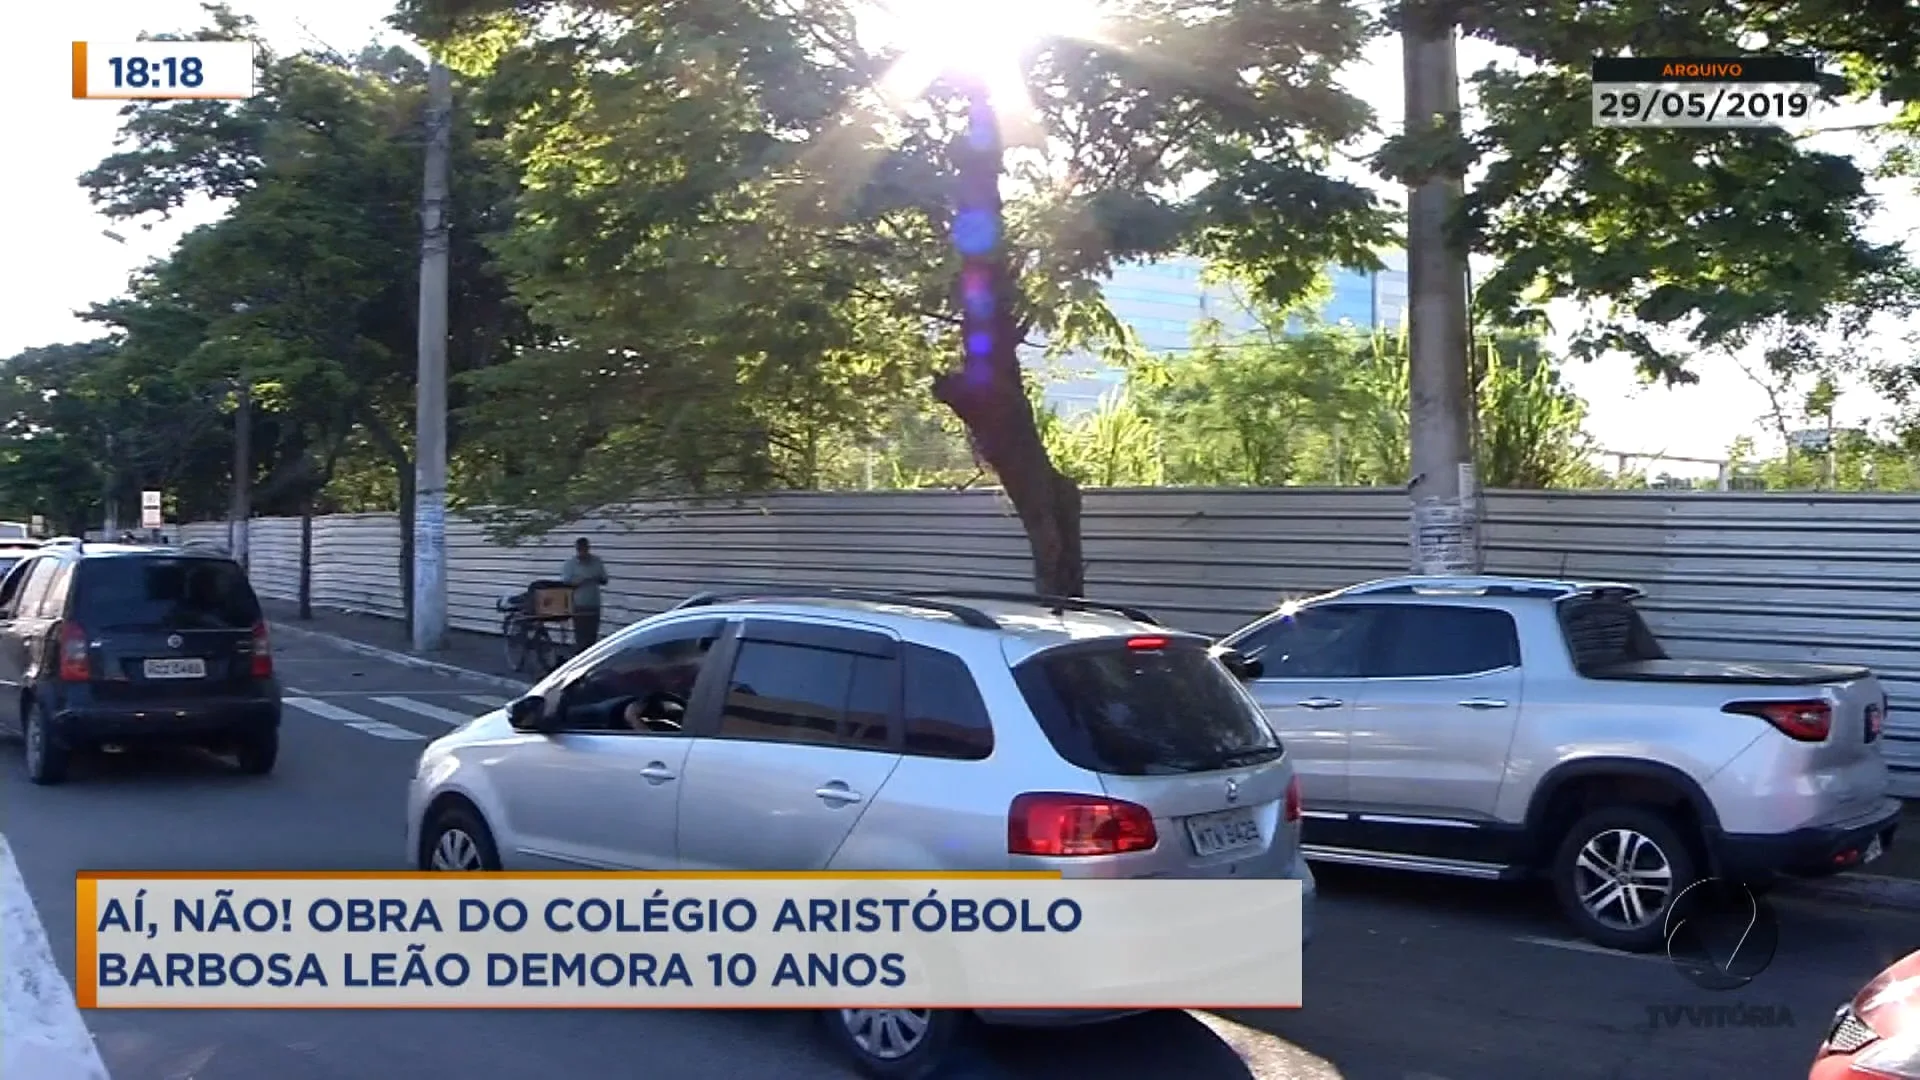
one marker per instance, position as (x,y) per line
(1409,979)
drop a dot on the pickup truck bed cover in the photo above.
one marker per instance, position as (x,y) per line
(1729,671)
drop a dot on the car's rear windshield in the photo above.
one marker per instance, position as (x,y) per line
(1129,711)
(1606,631)
(174,593)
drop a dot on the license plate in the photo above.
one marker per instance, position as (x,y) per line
(176,669)
(1230,831)
(1874,851)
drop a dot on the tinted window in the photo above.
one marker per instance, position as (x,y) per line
(1312,643)
(1142,712)
(1604,631)
(644,684)
(179,594)
(795,693)
(7,562)
(1443,640)
(944,715)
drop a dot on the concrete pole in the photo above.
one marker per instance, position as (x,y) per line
(1443,488)
(241,514)
(430,430)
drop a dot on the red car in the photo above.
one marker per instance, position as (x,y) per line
(1876,1036)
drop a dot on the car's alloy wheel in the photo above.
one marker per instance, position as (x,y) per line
(1617,872)
(887,1034)
(456,851)
(1624,879)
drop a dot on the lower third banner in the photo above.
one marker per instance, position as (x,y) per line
(411,940)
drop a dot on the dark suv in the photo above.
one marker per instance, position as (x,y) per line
(116,644)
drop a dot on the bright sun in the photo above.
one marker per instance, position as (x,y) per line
(981,40)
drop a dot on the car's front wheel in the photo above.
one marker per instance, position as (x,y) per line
(457,841)
(895,1044)
(1617,872)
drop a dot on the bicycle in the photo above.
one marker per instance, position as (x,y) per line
(544,639)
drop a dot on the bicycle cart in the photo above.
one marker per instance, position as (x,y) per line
(537,625)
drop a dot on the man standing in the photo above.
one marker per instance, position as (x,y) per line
(586,573)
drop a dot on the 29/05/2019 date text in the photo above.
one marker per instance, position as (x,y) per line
(1696,105)
(137,73)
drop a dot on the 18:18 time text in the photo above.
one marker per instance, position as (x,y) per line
(138,73)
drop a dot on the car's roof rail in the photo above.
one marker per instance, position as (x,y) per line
(970,616)
(1460,586)
(1055,603)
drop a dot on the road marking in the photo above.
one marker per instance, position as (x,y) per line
(421,708)
(45,1036)
(484,701)
(326,710)
(1587,947)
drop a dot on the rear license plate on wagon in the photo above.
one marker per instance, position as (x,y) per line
(1230,830)
(175,668)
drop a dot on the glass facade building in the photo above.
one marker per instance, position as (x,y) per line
(1167,302)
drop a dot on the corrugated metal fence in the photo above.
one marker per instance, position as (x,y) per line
(1729,575)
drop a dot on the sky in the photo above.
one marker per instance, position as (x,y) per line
(61,261)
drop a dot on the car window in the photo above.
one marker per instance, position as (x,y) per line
(1322,642)
(1442,639)
(34,589)
(10,586)
(1603,631)
(185,593)
(781,692)
(943,712)
(1131,711)
(53,602)
(645,684)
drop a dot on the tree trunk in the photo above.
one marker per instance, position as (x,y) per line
(988,392)
(383,438)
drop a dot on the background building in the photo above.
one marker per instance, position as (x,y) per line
(1166,302)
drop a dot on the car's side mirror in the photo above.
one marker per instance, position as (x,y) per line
(528,713)
(1245,668)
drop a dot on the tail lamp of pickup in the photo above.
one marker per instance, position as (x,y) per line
(1801,721)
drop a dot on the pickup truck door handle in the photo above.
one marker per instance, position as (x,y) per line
(1321,703)
(1483,703)
(657,772)
(837,794)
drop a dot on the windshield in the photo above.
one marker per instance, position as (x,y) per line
(1142,712)
(178,594)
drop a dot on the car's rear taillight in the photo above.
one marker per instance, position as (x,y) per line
(262,653)
(74,665)
(1293,799)
(1801,721)
(1060,824)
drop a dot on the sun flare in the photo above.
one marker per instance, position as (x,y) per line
(982,41)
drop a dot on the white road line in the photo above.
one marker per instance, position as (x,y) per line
(326,710)
(421,708)
(1587,947)
(484,701)
(45,1039)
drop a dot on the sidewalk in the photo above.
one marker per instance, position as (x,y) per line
(482,653)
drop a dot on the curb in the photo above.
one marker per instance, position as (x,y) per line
(1871,890)
(452,671)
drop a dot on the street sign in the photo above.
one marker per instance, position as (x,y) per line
(38,525)
(150,517)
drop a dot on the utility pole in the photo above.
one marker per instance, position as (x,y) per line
(1444,489)
(109,493)
(241,517)
(430,429)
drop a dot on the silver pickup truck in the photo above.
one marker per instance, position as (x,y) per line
(1502,728)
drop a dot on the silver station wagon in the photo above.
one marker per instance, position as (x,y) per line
(825,729)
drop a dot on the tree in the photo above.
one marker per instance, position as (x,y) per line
(1708,237)
(306,290)
(713,184)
